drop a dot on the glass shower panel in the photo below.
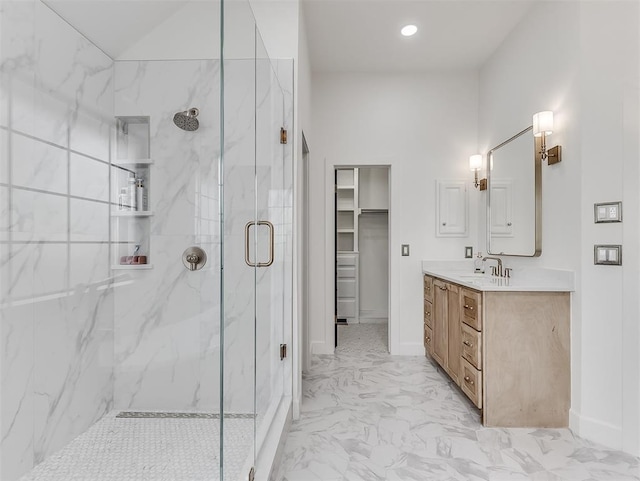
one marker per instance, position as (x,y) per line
(238,218)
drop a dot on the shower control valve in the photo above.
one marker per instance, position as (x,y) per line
(194,258)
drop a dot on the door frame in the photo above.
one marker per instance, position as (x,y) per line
(331,252)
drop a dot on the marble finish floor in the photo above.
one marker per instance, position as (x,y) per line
(148,449)
(370,416)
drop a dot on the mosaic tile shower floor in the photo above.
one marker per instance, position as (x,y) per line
(369,416)
(150,449)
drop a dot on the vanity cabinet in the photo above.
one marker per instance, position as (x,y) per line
(508,351)
(428,315)
(445,325)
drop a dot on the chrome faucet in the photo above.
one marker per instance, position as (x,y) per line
(495,270)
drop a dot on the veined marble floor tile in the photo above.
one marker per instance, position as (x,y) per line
(369,416)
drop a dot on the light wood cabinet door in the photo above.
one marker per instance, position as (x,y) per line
(471,346)
(428,288)
(428,313)
(440,323)
(428,337)
(453,331)
(472,308)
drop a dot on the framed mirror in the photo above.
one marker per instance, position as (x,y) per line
(514,197)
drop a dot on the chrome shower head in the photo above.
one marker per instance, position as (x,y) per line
(187,120)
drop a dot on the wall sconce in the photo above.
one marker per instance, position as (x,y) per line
(543,126)
(475,164)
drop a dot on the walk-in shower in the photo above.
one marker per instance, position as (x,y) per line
(125,355)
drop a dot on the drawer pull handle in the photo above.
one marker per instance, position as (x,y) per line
(428,314)
(466,306)
(443,288)
(468,380)
(467,343)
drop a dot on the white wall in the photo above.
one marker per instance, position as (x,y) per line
(588,74)
(424,128)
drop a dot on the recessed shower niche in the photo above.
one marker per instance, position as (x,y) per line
(130,182)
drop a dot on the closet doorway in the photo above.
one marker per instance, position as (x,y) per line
(362,257)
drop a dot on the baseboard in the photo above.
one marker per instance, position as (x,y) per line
(319,347)
(373,320)
(375,314)
(599,432)
(409,349)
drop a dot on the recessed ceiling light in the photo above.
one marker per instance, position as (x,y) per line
(409,30)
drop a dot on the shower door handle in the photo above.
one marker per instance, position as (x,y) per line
(247,253)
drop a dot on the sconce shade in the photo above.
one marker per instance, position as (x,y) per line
(475,162)
(543,123)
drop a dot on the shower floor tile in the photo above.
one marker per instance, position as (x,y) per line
(150,449)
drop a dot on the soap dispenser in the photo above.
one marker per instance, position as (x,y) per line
(478,264)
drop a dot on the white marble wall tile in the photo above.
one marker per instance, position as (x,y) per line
(73,368)
(16,54)
(158,89)
(5,217)
(88,178)
(16,378)
(157,344)
(4,155)
(88,220)
(89,264)
(57,344)
(38,165)
(38,216)
(17,264)
(72,88)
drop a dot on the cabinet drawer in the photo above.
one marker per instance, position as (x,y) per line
(428,336)
(346,288)
(472,308)
(346,272)
(346,308)
(428,314)
(428,288)
(471,382)
(471,346)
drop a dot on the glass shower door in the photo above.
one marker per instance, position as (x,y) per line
(253,244)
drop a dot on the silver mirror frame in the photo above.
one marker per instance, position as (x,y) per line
(537,190)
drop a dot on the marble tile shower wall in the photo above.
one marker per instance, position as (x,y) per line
(56,324)
(166,318)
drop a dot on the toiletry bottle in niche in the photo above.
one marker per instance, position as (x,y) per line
(123,199)
(478,264)
(139,195)
(131,191)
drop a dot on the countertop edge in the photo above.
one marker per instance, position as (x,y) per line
(497,284)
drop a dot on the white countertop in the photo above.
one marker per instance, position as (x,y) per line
(522,279)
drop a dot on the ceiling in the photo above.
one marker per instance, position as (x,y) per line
(364,35)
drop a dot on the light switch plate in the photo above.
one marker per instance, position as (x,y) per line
(607,212)
(468,252)
(405,249)
(607,255)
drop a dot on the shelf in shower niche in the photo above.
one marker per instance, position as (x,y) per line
(132,162)
(131,267)
(131,213)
